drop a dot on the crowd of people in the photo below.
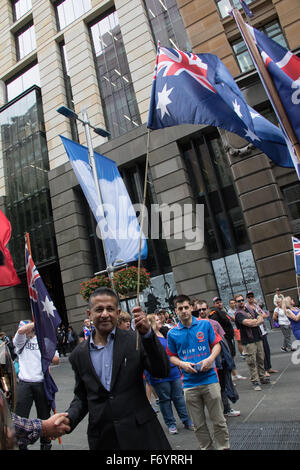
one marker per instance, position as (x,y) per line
(186,359)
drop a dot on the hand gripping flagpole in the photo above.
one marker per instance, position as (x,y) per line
(267,82)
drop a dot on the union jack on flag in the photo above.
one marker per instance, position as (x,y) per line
(192,88)
(46,321)
(284,69)
(296,248)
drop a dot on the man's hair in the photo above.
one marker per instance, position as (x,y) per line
(203,302)
(103,291)
(238,295)
(179,299)
(124,316)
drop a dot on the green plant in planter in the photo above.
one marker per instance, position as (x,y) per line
(88,287)
(125,280)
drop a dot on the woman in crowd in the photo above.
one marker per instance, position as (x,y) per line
(285,326)
(293,314)
(169,389)
(124,321)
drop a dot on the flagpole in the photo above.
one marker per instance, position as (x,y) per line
(267,82)
(91,154)
(141,229)
(28,243)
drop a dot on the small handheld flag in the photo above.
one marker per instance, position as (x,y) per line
(46,321)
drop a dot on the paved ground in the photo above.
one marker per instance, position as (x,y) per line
(269,420)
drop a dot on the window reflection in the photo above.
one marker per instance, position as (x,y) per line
(21,83)
(117,93)
(26,166)
(69,10)
(20,7)
(166,23)
(212,183)
(26,42)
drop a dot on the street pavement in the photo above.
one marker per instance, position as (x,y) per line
(269,419)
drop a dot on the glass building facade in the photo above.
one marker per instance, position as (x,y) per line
(116,88)
(166,24)
(26,168)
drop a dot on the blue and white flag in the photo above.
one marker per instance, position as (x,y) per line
(284,69)
(115,217)
(296,249)
(198,89)
(46,321)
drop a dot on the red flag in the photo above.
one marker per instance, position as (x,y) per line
(8,275)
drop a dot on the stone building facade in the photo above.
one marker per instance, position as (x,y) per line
(247,241)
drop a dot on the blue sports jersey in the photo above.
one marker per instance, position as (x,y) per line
(193,344)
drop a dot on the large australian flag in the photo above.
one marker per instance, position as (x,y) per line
(284,69)
(46,320)
(198,89)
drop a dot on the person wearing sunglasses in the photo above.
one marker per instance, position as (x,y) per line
(248,323)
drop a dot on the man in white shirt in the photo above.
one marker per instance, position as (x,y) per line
(31,377)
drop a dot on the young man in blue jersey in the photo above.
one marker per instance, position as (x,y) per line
(193,346)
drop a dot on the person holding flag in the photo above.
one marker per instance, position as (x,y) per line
(30,385)
(35,344)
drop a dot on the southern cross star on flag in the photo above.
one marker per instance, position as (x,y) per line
(198,89)
(46,321)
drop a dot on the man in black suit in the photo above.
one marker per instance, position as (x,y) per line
(109,380)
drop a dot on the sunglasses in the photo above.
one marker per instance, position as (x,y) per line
(240,300)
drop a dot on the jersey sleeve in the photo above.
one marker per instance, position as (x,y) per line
(213,336)
(171,345)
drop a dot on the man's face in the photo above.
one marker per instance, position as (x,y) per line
(250,299)
(240,302)
(104,313)
(232,304)
(184,312)
(218,304)
(203,310)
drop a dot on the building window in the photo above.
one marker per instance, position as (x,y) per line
(224,6)
(272,30)
(291,195)
(68,11)
(26,166)
(20,7)
(210,176)
(21,83)
(116,88)
(25,41)
(166,23)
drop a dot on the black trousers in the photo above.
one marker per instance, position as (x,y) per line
(29,393)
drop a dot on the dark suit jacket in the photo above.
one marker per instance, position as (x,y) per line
(125,405)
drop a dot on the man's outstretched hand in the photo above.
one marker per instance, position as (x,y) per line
(56,426)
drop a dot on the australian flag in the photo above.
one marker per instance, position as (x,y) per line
(284,69)
(198,89)
(296,248)
(46,321)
